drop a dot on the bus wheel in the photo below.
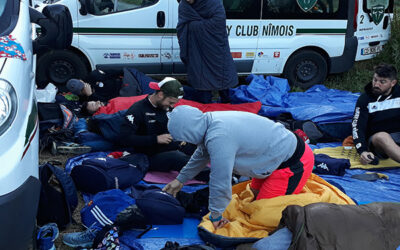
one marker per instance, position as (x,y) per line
(58,66)
(305,69)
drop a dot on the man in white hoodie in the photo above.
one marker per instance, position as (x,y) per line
(243,143)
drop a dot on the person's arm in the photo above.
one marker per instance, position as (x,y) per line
(196,164)
(222,155)
(131,123)
(359,125)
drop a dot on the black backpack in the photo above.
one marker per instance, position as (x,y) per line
(58,197)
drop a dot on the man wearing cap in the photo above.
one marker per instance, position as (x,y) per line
(145,127)
(97,86)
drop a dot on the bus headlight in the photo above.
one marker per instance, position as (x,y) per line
(8,105)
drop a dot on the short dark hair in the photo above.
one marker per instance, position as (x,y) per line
(386,71)
(84,111)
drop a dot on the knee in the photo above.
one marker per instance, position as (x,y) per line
(380,138)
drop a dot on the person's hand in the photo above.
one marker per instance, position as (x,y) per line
(164,139)
(366,157)
(173,187)
(221,223)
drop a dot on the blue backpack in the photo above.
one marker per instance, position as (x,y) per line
(99,174)
(58,197)
(103,208)
(157,206)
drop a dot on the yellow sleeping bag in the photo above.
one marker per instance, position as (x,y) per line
(255,219)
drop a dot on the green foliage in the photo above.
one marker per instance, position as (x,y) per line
(361,73)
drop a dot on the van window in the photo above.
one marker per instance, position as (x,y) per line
(304,9)
(101,7)
(242,9)
(8,16)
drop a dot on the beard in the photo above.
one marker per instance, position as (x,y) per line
(376,91)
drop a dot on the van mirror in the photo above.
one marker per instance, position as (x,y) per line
(55,27)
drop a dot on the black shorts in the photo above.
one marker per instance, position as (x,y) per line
(396,138)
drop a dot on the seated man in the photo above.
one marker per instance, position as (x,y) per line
(145,127)
(97,86)
(242,143)
(376,121)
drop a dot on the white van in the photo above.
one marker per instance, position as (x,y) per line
(19,183)
(303,39)
(373,27)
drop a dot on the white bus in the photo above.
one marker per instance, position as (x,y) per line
(302,39)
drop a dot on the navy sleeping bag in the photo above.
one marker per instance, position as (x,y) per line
(204,46)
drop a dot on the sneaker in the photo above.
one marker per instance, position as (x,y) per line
(312,131)
(80,239)
(47,234)
(69,148)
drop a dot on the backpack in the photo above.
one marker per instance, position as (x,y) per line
(58,197)
(157,206)
(103,209)
(99,174)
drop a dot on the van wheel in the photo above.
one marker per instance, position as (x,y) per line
(305,69)
(58,66)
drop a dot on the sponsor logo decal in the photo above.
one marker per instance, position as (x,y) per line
(148,55)
(112,55)
(250,54)
(166,55)
(10,48)
(236,54)
(277,54)
(128,56)
(260,54)
(306,5)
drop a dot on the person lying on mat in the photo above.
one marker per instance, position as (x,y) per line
(97,86)
(376,121)
(144,127)
(242,143)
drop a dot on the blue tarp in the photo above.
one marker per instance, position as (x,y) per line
(319,104)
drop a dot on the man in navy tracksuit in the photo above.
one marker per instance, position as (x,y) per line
(376,121)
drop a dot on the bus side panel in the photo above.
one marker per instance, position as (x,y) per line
(279,39)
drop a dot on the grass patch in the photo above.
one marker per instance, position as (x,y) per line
(361,73)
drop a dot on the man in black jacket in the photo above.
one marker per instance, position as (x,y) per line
(97,86)
(145,127)
(376,121)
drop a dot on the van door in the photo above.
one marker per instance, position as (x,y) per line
(373,26)
(118,33)
(243,28)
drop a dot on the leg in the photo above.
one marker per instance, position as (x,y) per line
(167,161)
(290,180)
(385,143)
(224,96)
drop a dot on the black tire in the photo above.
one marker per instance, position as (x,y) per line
(58,66)
(306,68)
